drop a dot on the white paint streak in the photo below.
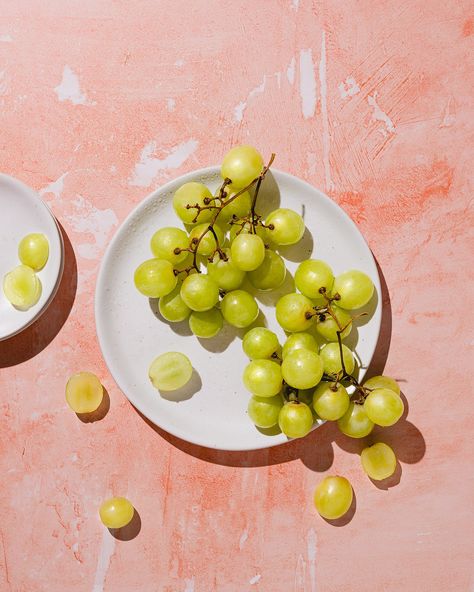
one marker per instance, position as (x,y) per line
(348,88)
(170,104)
(290,71)
(324,112)
(189,585)
(243,538)
(307,83)
(179,63)
(240,108)
(6,38)
(3,83)
(56,187)
(255,579)
(105,555)
(70,90)
(300,574)
(449,114)
(295,4)
(149,166)
(311,543)
(379,115)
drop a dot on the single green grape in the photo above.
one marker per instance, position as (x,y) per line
(329,327)
(241,165)
(328,403)
(238,207)
(382,382)
(199,292)
(22,287)
(263,378)
(166,241)
(295,419)
(226,275)
(270,274)
(311,276)
(299,341)
(172,307)
(260,343)
(206,324)
(355,289)
(384,407)
(264,411)
(378,461)
(191,194)
(248,251)
(331,358)
(286,226)
(208,244)
(155,278)
(239,308)
(294,312)
(333,497)
(84,392)
(170,371)
(116,512)
(302,369)
(354,422)
(33,250)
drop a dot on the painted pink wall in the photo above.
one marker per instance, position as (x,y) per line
(368,100)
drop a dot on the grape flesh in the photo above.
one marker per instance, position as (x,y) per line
(270,274)
(264,411)
(292,311)
(299,341)
(329,327)
(206,324)
(248,251)
(22,287)
(295,419)
(241,165)
(239,308)
(302,369)
(333,497)
(170,371)
(311,276)
(288,227)
(331,358)
(328,403)
(33,250)
(382,382)
(355,289)
(199,292)
(191,194)
(164,242)
(354,422)
(84,392)
(260,343)
(263,378)
(226,275)
(384,407)
(155,278)
(378,461)
(172,307)
(116,512)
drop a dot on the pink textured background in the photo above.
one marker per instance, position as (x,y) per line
(368,100)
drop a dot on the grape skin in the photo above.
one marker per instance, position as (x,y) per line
(291,312)
(260,343)
(302,369)
(239,308)
(333,497)
(384,407)
(116,512)
(241,165)
(264,411)
(33,250)
(295,419)
(263,378)
(378,461)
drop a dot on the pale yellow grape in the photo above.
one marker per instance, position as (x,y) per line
(299,341)
(33,250)
(116,512)
(264,411)
(155,278)
(192,193)
(248,251)
(295,419)
(384,407)
(355,289)
(378,461)
(263,378)
(382,382)
(260,343)
(329,327)
(328,403)
(164,242)
(206,324)
(226,275)
(331,357)
(170,371)
(241,165)
(354,422)
(302,369)
(239,308)
(84,392)
(208,244)
(333,497)
(270,274)
(172,307)
(288,226)
(22,287)
(294,312)
(311,276)
(199,292)
(238,207)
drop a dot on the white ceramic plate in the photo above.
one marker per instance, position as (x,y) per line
(211,410)
(21,212)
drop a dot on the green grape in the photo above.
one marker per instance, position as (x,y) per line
(329,403)
(378,461)
(226,275)
(170,371)
(384,407)
(239,308)
(331,358)
(329,328)
(248,251)
(166,240)
(22,287)
(172,306)
(238,208)
(299,341)
(288,226)
(260,343)
(191,194)
(207,323)
(264,411)
(246,228)
(295,419)
(155,278)
(207,245)
(311,276)
(270,274)
(302,369)
(241,165)
(84,393)
(354,422)
(333,497)
(33,250)
(116,512)
(199,292)
(292,312)
(263,378)
(382,382)
(355,289)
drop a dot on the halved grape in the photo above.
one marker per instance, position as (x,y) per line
(378,461)
(270,274)
(354,422)
(199,292)
(355,289)
(384,407)
(295,419)
(206,324)
(226,275)
(382,382)
(292,312)
(329,327)
(333,497)
(299,341)
(328,403)
(166,240)
(191,194)
(241,165)
(302,369)
(22,287)
(155,278)
(170,371)
(264,411)
(248,251)
(288,226)
(311,276)
(116,512)
(260,343)
(84,392)
(331,358)
(239,308)
(172,307)
(263,378)
(208,244)
(33,250)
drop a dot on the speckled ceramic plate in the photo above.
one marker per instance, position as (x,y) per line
(212,409)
